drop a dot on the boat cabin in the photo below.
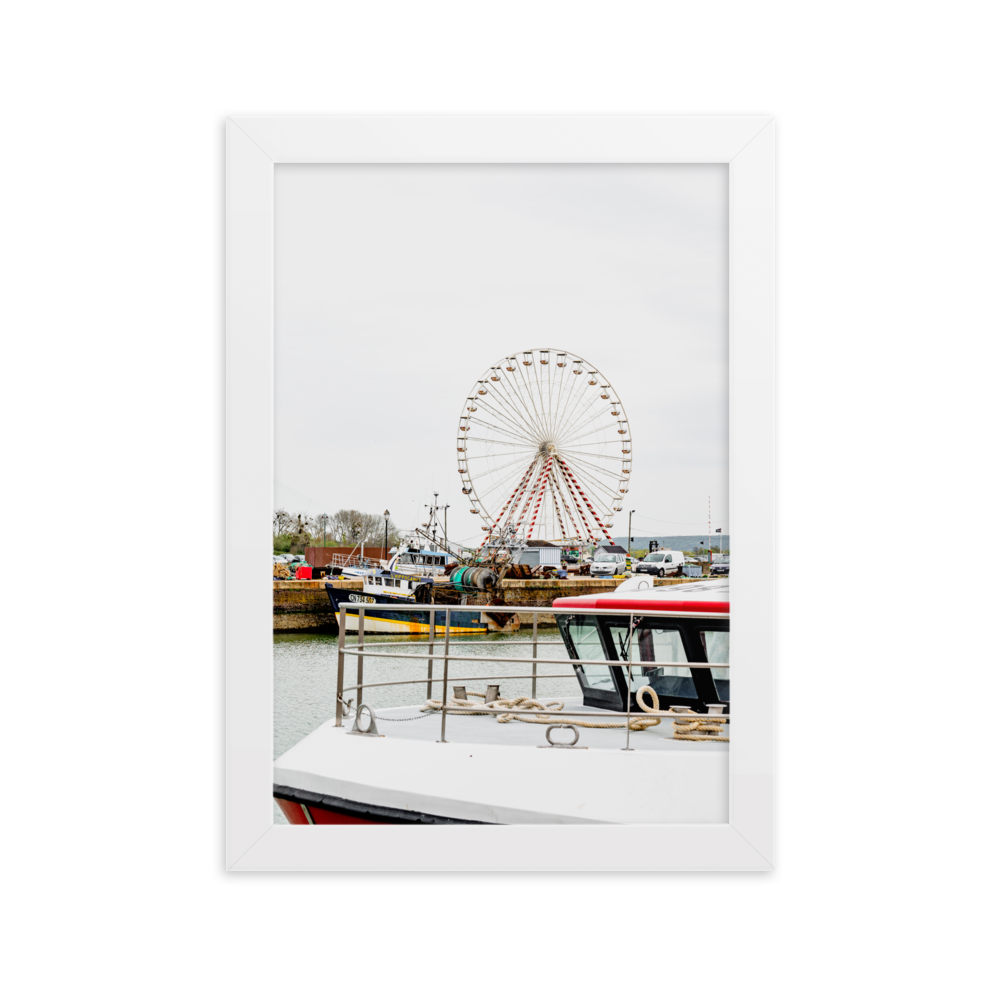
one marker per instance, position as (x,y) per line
(379,581)
(420,562)
(689,634)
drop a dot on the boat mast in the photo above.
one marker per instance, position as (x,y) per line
(432,520)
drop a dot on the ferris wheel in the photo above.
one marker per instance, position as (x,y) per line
(544,449)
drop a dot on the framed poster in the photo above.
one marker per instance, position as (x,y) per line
(254,145)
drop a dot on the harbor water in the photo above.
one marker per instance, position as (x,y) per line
(305,676)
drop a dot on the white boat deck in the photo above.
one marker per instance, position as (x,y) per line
(408,723)
(491,772)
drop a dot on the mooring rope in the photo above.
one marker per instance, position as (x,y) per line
(686,729)
(707,728)
(459,706)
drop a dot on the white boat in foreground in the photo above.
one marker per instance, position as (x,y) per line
(491,759)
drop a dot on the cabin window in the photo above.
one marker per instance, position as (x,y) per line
(405,558)
(586,641)
(656,644)
(716,646)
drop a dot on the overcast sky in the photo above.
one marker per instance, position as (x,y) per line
(397,286)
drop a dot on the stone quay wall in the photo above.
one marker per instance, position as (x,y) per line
(302,605)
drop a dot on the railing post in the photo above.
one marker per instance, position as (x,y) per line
(628,684)
(534,653)
(361,657)
(430,649)
(444,693)
(341,641)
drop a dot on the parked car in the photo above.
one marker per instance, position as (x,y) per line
(664,562)
(607,564)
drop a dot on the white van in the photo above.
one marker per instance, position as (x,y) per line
(664,562)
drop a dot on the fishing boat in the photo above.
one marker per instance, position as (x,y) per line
(652,669)
(419,570)
(390,602)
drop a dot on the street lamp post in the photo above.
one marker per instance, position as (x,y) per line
(385,514)
(630,513)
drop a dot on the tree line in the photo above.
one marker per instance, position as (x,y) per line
(293,532)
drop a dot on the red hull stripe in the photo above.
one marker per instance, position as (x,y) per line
(320,817)
(330,809)
(630,603)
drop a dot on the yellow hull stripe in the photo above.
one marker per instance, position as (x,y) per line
(414,627)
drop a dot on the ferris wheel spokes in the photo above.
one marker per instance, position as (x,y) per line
(588,470)
(516,423)
(581,421)
(542,424)
(569,418)
(518,434)
(565,405)
(512,448)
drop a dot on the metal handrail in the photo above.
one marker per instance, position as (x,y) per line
(480,677)
(573,713)
(360,649)
(467,642)
(532,659)
(509,609)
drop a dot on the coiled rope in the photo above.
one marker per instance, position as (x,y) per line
(686,729)
(459,706)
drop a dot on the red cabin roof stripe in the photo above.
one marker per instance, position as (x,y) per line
(627,602)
